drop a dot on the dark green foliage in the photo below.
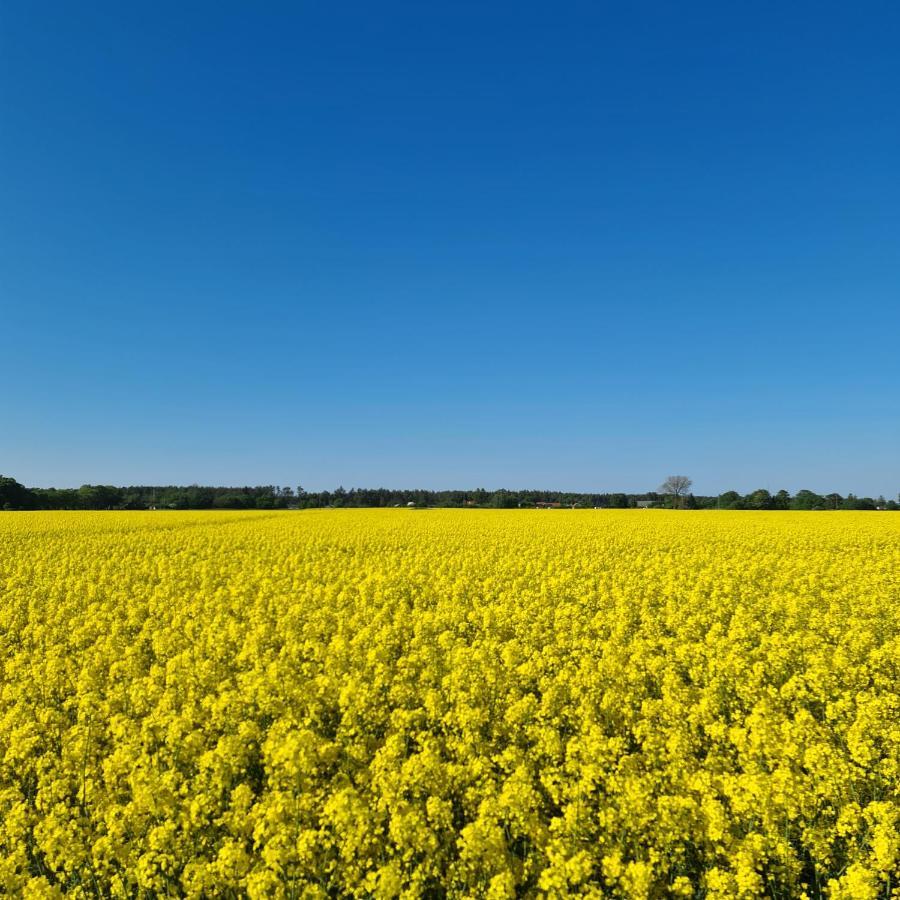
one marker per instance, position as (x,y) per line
(99,496)
(14,495)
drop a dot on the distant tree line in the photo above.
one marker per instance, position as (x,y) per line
(99,496)
(105,496)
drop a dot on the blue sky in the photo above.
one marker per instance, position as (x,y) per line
(579,246)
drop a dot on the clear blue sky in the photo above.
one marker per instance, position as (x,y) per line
(579,246)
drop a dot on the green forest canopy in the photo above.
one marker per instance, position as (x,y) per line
(14,495)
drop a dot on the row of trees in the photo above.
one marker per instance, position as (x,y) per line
(14,495)
(762,499)
(104,496)
(676,492)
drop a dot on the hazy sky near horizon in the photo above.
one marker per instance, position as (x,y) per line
(578,246)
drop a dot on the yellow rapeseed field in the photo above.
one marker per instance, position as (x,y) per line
(459,703)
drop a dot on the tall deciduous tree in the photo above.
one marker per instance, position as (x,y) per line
(677,487)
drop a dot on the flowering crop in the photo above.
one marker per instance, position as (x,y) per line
(450,703)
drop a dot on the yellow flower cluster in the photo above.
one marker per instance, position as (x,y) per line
(453,703)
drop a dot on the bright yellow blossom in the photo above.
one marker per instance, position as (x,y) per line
(403,704)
